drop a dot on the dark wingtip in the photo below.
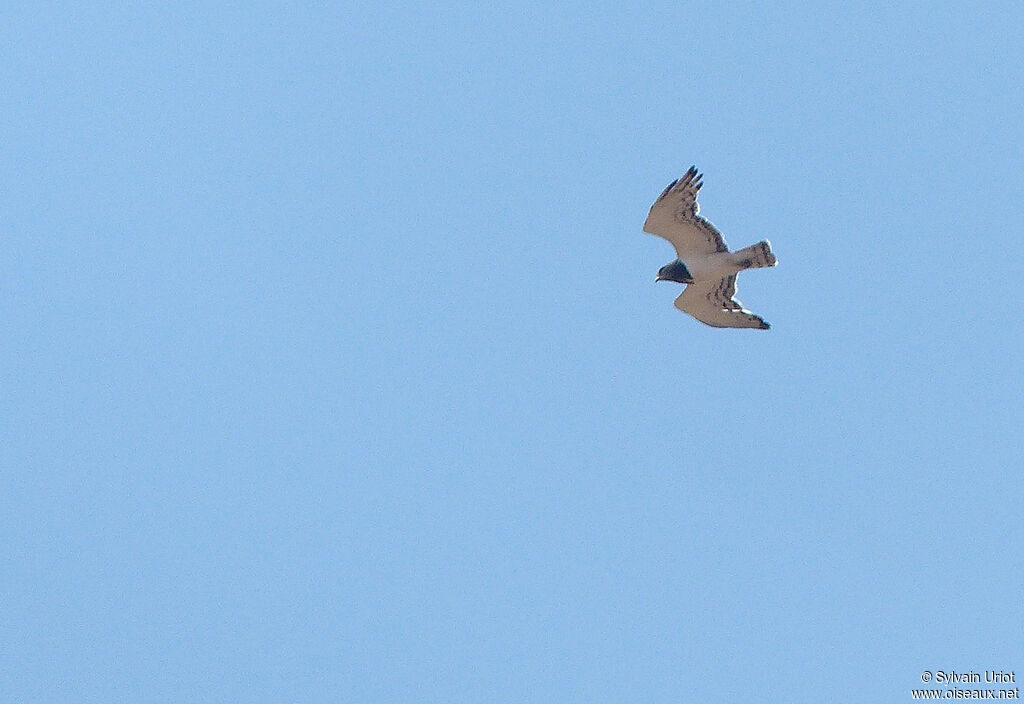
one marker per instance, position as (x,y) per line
(693,178)
(765,325)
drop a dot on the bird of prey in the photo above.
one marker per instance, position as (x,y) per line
(704,262)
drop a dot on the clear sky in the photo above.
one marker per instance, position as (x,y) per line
(335,370)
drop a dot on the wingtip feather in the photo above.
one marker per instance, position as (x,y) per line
(691,179)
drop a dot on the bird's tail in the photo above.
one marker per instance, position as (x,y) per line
(756,256)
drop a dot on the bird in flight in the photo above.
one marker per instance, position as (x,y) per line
(704,262)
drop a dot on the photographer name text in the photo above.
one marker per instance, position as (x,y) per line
(972,677)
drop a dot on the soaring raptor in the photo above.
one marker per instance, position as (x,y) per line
(704,262)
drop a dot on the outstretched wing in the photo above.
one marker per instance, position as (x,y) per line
(674,216)
(714,304)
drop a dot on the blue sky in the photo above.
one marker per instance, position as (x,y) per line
(335,370)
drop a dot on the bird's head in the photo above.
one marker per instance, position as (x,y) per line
(676,271)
